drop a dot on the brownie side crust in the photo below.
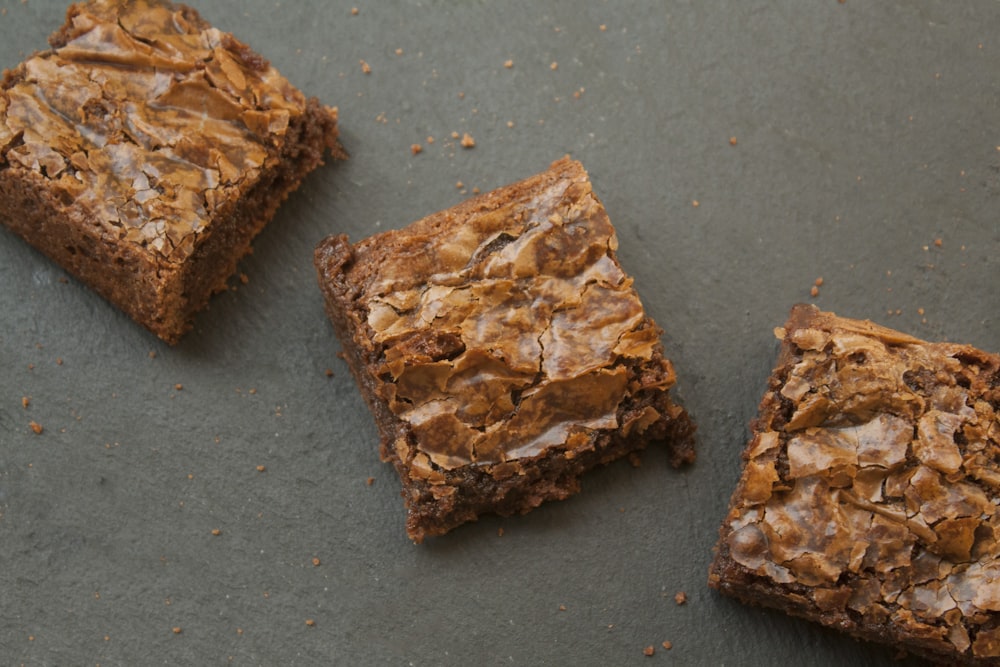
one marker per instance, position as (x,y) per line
(502,350)
(145,150)
(869,495)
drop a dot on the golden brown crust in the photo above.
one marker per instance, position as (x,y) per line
(868,499)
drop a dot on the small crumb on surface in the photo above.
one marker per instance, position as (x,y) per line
(177,630)
(216,532)
(328,372)
(508,64)
(603,28)
(178,386)
(365,67)
(316,562)
(732,141)
(499,532)
(261,468)
(695,203)
(468,141)
(354,11)
(25,401)
(554,66)
(370,481)
(416,148)
(818,282)
(244,278)
(310,622)
(399,52)
(667,645)
(814,291)
(938,242)
(648,651)
(562,607)
(36,427)
(681,597)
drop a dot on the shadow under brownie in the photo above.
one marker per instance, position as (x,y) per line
(869,495)
(502,349)
(146,149)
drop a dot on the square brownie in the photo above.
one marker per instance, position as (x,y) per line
(145,150)
(869,494)
(502,349)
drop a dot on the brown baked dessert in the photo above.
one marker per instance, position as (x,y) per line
(145,150)
(869,495)
(502,349)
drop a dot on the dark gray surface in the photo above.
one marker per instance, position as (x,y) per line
(865,131)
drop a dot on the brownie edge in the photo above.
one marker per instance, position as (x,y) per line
(868,499)
(501,349)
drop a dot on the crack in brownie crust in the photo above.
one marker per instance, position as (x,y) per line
(870,490)
(146,149)
(502,349)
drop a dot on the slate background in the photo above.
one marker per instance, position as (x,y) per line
(865,131)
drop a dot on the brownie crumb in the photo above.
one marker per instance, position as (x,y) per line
(648,651)
(25,402)
(416,148)
(310,622)
(370,481)
(354,11)
(328,372)
(499,532)
(261,468)
(365,67)
(667,645)
(179,386)
(177,630)
(468,141)
(216,532)
(508,64)
(554,66)
(562,607)
(814,291)
(681,597)
(695,203)
(36,427)
(732,141)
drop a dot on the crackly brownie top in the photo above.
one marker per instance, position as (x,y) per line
(147,116)
(505,325)
(875,480)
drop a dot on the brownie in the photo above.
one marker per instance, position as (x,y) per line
(145,150)
(869,494)
(502,349)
